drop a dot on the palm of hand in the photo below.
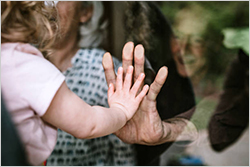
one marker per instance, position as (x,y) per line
(124,97)
(145,127)
(122,100)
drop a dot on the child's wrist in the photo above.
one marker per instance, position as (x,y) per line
(120,108)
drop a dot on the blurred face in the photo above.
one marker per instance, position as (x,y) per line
(69,18)
(71,15)
(188,31)
(175,48)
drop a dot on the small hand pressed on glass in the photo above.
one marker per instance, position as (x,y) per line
(124,96)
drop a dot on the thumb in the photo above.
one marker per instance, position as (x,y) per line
(156,86)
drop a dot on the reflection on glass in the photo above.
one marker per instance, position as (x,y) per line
(219,76)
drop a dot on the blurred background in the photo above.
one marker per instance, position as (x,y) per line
(213,40)
(205,43)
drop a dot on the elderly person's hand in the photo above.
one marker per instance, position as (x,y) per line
(146,126)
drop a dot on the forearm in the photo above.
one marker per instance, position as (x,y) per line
(93,121)
(106,121)
(179,129)
(71,114)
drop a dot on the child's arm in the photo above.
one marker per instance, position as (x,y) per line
(71,114)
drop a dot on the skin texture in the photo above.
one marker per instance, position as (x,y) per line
(146,126)
(147,117)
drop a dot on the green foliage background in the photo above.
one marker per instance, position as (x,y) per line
(232,14)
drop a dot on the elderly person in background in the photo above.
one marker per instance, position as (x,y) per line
(78,57)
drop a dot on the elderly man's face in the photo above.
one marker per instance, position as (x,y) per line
(189,31)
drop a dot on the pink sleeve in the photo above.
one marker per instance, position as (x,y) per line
(38,81)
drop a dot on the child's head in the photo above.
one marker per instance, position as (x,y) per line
(29,22)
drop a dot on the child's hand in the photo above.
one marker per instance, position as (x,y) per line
(125,97)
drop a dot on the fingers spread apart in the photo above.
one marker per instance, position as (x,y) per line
(126,85)
(128,78)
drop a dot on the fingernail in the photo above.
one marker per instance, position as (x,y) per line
(142,75)
(129,47)
(120,69)
(139,51)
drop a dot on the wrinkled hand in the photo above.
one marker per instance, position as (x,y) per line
(146,126)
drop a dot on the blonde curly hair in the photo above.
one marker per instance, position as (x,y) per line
(29,22)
